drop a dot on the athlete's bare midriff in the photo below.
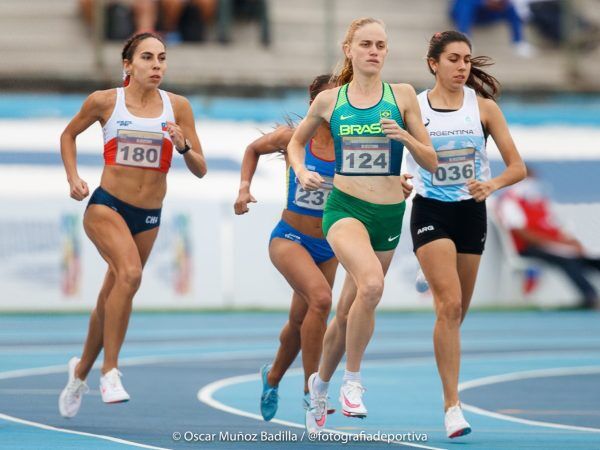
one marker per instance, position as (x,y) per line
(382,190)
(139,187)
(309,225)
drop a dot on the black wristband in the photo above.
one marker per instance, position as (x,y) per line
(185,149)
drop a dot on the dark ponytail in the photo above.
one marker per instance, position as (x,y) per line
(482,82)
(318,83)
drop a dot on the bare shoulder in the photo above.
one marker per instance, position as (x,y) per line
(285,132)
(485,102)
(99,105)
(182,109)
(284,129)
(324,103)
(403,90)
(488,108)
(405,95)
(282,135)
(179,102)
(330,94)
(328,97)
(103,100)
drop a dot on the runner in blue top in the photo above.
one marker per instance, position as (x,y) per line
(298,250)
(371,123)
(448,220)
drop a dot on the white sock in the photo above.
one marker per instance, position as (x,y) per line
(351,376)
(320,386)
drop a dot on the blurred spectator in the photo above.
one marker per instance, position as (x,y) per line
(243,10)
(467,13)
(185,20)
(122,18)
(546,16)
(526,211)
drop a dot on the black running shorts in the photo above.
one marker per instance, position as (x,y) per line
(463,222)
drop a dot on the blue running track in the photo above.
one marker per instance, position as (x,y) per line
(530,380)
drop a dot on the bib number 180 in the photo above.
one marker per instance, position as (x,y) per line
(139,154)
(139,148)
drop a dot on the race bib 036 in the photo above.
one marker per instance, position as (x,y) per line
(454,167)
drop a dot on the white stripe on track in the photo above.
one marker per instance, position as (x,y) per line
(220,356)
(205,395)
(514,376)
(78,433)
(134,361)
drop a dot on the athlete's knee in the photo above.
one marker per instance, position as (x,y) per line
(449,309)
(130,276)
(370,290)
(319,301)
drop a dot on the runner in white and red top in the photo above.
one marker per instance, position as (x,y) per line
(141,125)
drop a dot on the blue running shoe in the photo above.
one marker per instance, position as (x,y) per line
(269,398)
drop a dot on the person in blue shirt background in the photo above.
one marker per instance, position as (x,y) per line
(467,13)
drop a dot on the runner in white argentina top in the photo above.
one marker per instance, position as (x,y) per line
(459,140)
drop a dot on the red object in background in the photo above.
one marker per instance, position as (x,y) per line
(539,219)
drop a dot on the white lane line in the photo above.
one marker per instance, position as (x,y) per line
(138,361)
(18,391)
(514,376)
(223,356)
(78,433)
(134,361)
(205,395)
